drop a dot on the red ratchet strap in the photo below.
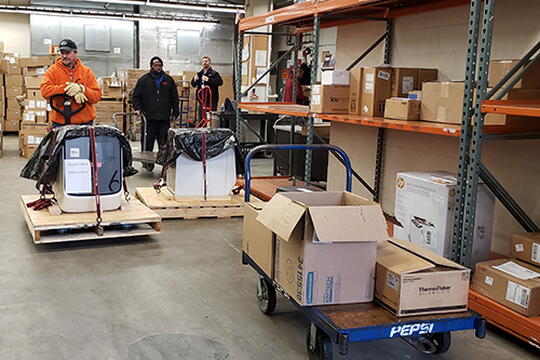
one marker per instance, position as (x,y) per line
(203,158)
(43,202)
(95,179)
(203,95)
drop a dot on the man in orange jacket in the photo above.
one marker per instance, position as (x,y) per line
(69,76)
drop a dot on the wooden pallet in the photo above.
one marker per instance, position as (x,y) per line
(168,207)
(137,220)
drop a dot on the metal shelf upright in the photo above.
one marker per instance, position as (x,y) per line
(471,169)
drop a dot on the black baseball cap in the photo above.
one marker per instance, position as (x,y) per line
(67,44)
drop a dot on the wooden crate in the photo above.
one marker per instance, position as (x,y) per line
(138,220)
(168,207)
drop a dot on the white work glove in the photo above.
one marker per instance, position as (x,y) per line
(73,88)
(80,98)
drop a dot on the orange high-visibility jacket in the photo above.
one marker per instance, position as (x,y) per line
(55,82)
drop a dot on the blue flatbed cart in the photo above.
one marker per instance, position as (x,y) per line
(340,325)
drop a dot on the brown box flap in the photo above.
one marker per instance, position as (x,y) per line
(399,260)
(348,223)
(425,254)
(281,215)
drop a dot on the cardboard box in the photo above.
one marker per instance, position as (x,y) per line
(12,103)
(110,88)
(35,116)
(11,124)
(335,77)
(355,91)
(13,91)
(499,68)
(33,82)
(258,241)
(442,102)
(403,81)
(35,71)
(426,75)
(10,66)
(507,289)
(326,245)
(14,114)
(331,99)
(35,104)
(14,81)
(413,281)
(526,247)
(34,61)
(402,109)
(425,206)
(34,94)
(377,86)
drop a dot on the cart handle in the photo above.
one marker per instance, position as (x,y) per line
(273,147)
(143,120)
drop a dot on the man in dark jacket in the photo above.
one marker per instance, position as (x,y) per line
(208,77)
(156,96)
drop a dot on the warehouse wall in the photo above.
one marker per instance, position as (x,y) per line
(116,36)
(214,40)
(438,39)
(15,33)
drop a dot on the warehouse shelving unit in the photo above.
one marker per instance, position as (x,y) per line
(311,16)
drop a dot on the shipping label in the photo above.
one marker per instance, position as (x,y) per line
(535,253)
(383,75)
(518,294)
(407,84)
(392,281)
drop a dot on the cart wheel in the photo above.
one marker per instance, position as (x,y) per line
(266,296)
(148,166)
(322,349)
(442,341)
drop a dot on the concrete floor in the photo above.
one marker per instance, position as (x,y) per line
(181,295)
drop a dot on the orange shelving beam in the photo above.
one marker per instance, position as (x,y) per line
(512,107)
(527,329)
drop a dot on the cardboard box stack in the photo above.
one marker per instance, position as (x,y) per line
(515,281)
(13,88)
(128,79)
(325,252)
(105,110)
(329,247)
(443,101)
(111,88)
(35,114)
(30,137)
(425,204)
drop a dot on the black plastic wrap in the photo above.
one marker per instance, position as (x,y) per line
(189,141)
(43,165)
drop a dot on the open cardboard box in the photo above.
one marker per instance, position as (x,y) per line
(326,245)
(411,280)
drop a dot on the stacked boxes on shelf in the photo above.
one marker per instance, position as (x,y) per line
(111,102)
(13,88)
(35,119)
(443,101)
(128,79)
(366,91)
(513,282)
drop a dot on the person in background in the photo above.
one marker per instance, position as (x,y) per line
(288,92)
(208,77)
(156,97)
(69,76)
